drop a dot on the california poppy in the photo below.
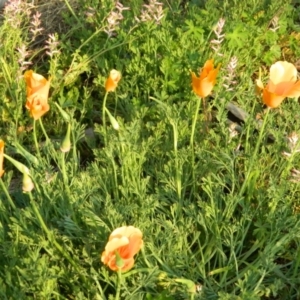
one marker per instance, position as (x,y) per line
(37,94)
(203,85)
(1,157)
(123,243)
(112,80)
(282,83)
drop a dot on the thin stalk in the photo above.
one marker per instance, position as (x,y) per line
(195,121)
(103,118)
(192,141)
(253,157)
(35,139)
(44,131)
(119,284)
(64,173)
(72,11)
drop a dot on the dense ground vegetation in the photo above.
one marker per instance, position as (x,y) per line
(211,183)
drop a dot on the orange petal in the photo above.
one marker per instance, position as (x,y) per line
(294,91)
(283,88)
(209,65)
(205,87)
(37,94)
(127,264)
(126,231)
(134,246)
(37,105)
(196,84)
(112,81)
(283,71)
(116,243)
(272,100)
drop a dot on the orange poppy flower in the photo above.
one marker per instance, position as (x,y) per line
(282,83)
(112,81)
(203,85)
(1,157)
(124,242)
(37,94)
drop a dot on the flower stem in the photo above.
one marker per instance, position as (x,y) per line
(64,173)
(44,131)
(35,139)
(194,122)
(192,141)
(119,284)
(103,118)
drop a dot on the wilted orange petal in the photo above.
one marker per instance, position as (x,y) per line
(259,84)
(37,94)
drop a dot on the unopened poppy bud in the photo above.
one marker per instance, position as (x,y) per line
(22,168)
(63,113)
(191,287)
(27,183)
(66,143)
(112,120)
(26,154)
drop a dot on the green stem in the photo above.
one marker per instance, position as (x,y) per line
(119,284)
(44,131)
(194,122)
(74,148)
(192,142)
(103,118)
(72,11)
(12,204)
(253,157)
(64,173)
(35,139)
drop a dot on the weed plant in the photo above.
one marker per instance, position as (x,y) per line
(217,199)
